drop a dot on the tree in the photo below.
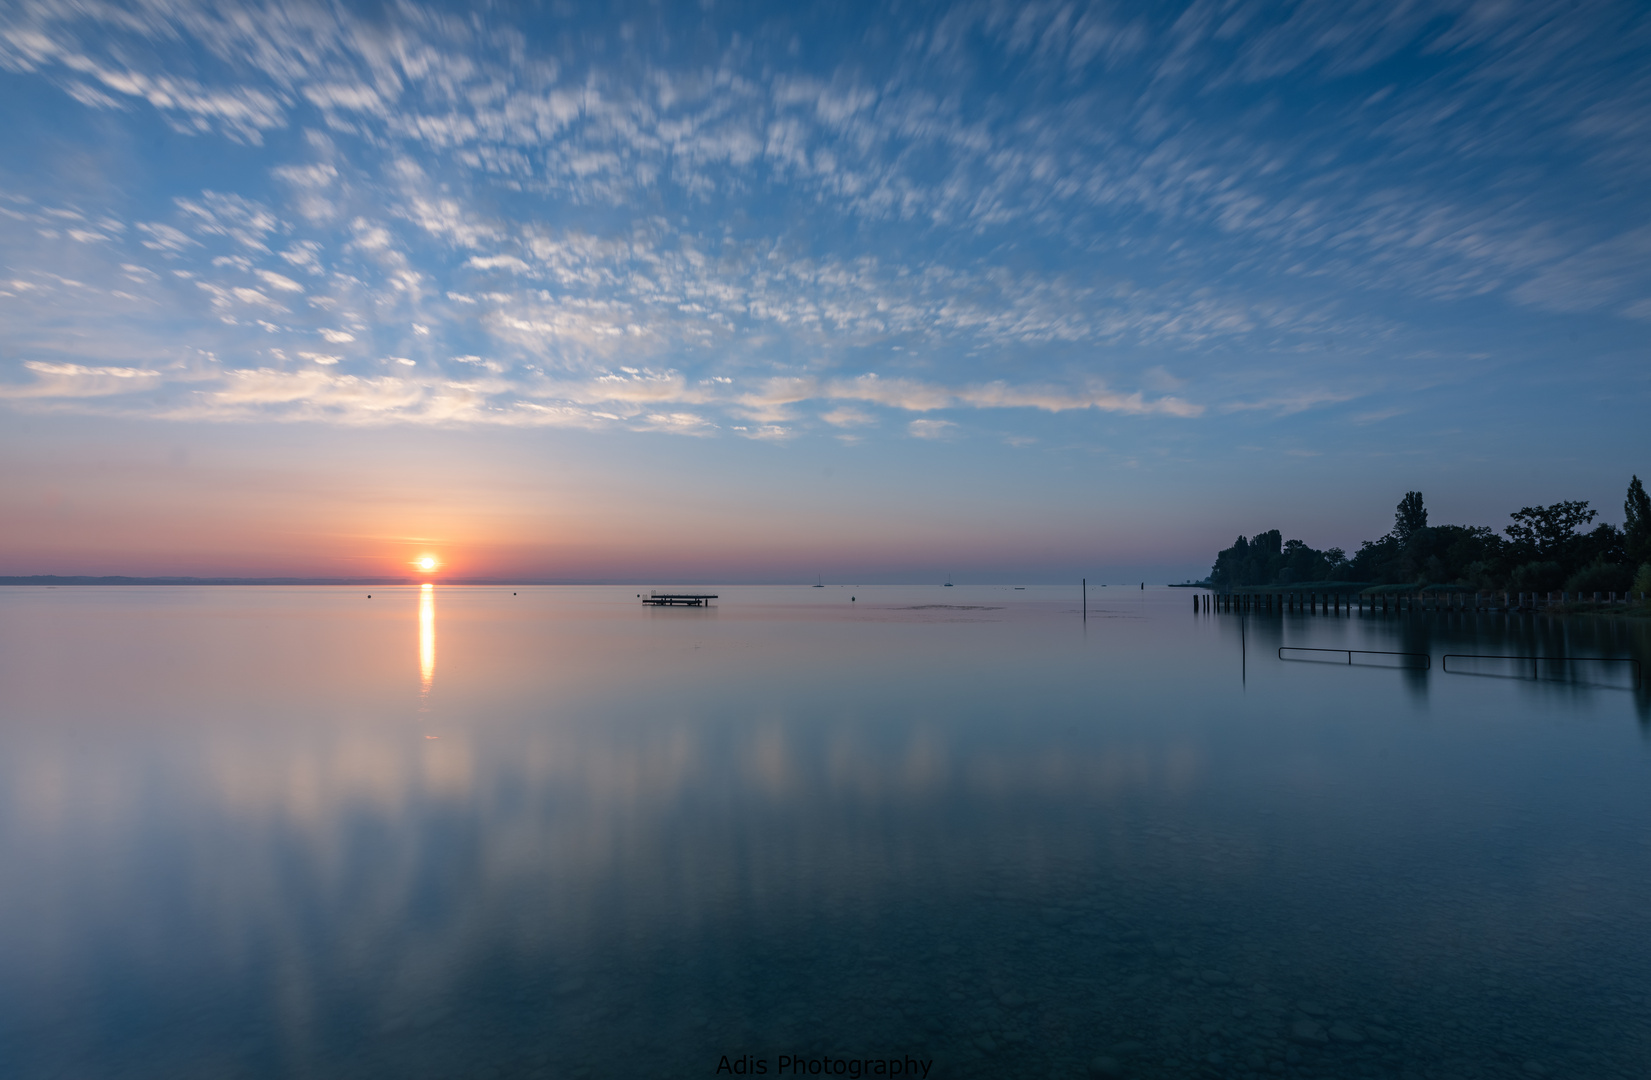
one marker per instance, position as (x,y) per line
(1548,533)
(1636,526)
(1411,516)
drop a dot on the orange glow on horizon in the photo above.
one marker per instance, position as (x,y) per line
(427,563)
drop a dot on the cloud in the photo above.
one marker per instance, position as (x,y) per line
(1600,275)
(620,235)
(677,423)
(1051,399)
(909,394)
(349,97)
(319,175)
(54,380)
(164,237)
(279,282)
(1290,403)
(497,262)
(243,220)
(1376,416)
(931,429)
(848,417)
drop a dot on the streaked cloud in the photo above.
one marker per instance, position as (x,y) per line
(1057,213)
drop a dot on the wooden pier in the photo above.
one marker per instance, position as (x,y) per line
(678,599)
(1399,603)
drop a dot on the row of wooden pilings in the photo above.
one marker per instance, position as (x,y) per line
(1337,603)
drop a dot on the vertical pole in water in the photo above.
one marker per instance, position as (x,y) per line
(1085,599)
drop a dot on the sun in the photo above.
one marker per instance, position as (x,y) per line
(426,562)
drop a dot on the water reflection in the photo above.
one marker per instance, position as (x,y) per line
(1015,841)
(426,635)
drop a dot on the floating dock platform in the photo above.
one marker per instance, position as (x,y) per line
(678,599)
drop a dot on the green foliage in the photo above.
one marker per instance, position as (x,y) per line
(1642,580)
(1601,576)
(1544,550)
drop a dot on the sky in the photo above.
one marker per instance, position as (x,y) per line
(1010,292)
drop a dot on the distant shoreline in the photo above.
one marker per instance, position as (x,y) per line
(386,582)
(55,579)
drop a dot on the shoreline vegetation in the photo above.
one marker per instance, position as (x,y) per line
(1546,550)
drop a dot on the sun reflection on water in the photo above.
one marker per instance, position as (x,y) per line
(426,635)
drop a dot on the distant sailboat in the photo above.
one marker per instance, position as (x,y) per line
(821,580)
(948,581)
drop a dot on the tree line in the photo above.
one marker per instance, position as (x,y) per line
(1545,548)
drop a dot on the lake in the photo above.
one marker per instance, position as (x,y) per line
(477,832)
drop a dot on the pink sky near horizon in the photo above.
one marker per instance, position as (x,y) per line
(149,501)
(144,498)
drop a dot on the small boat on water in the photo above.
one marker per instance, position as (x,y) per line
(820,581)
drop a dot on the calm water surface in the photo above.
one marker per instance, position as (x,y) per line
(466,832)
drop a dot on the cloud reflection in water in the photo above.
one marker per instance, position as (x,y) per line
(634,828)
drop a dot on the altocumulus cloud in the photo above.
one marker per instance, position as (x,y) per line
(476,222)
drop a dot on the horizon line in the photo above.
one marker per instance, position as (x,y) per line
(125,579)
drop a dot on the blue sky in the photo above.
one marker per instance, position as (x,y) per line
(1151,275)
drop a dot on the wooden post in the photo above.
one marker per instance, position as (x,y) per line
(1085,599)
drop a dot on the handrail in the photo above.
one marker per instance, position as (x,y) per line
(1425,658)
(1535,660)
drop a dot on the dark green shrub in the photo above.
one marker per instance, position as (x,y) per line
(1600,576)
(1538,577)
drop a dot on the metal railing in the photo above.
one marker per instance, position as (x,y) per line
(1536,662)
(1427,661)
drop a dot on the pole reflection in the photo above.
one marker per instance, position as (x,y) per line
(426,635)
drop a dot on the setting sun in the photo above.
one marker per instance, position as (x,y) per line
(426,562)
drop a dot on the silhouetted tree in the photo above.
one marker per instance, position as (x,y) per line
(1544,550)
(1410,517)
(1548,533)
(1636,524)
